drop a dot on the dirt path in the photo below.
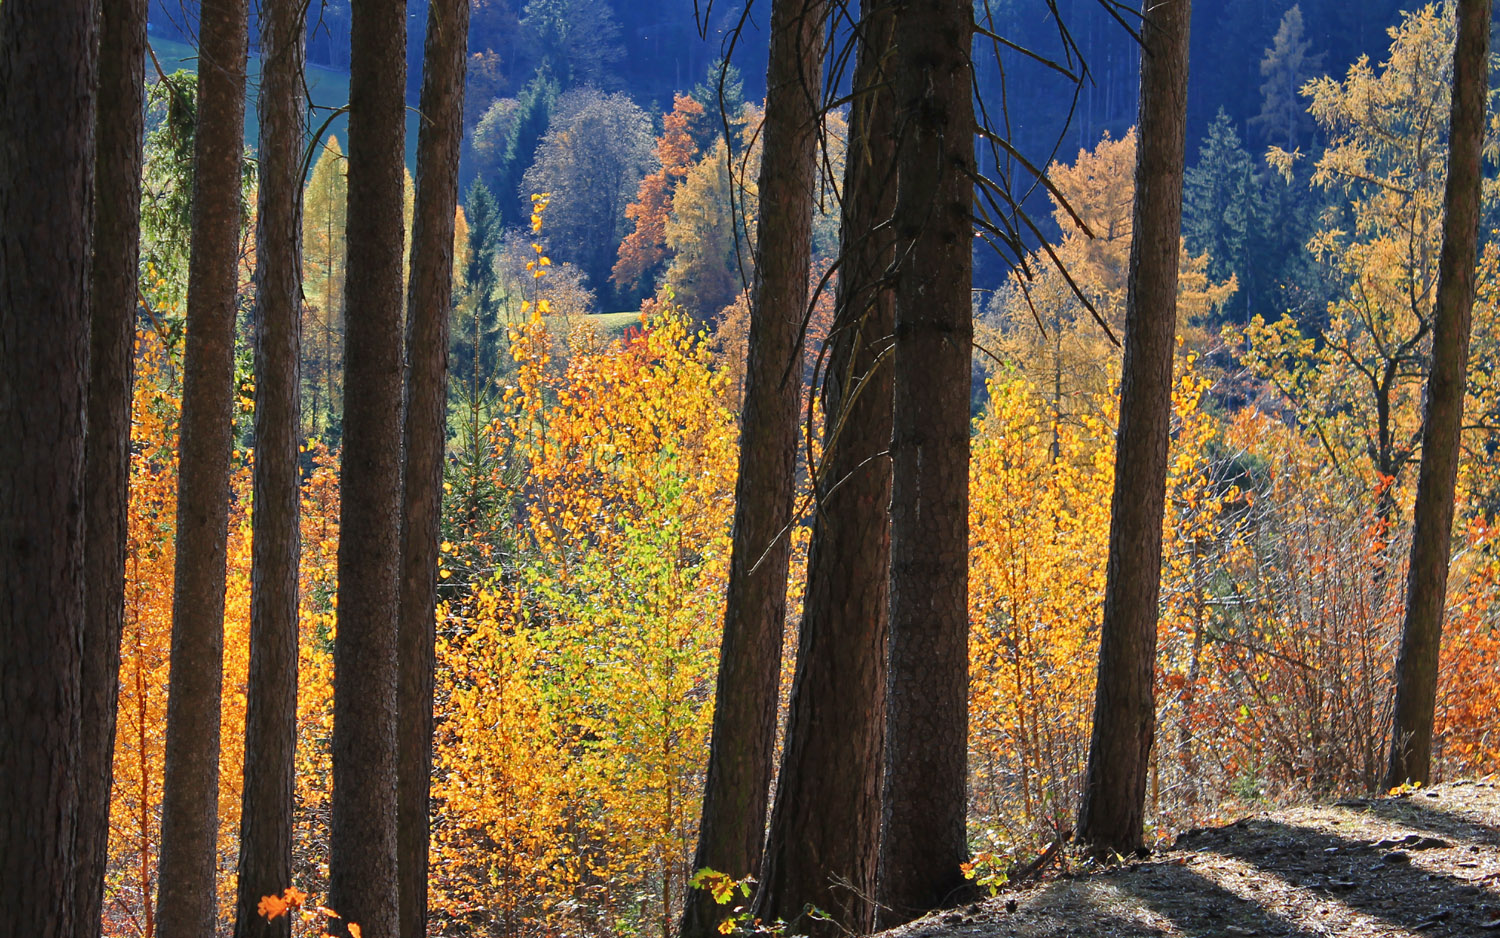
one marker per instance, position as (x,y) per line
(1427,864)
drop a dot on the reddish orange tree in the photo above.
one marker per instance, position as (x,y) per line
(643,250)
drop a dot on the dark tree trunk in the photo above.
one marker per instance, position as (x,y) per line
(1114,794)
(1427,580)
(112,299)
(822,848)
(47,63)
(430,294)
(923,837)
(265,867)
(362,842)
(190,780)
(737,789)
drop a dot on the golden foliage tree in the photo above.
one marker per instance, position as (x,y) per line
(1040,322)
(579,678)
(646,246)
(325,205)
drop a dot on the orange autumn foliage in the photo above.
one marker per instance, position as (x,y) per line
(646,246)
(579,677)
(1040,492)
(136,796)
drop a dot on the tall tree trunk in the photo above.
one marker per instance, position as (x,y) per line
(923,837)
(737,789)
(112,299)
(429,298)
(1114,793)
(1427,580)
(47,63)
(822,848)
(362,842)
(190,781)
(265,866)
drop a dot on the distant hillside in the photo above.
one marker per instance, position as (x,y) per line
(329,89)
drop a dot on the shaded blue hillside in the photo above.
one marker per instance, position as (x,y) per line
(329,89)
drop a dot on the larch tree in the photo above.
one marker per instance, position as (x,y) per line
(732,832)
(711,229)
(1114,794)
(822,847)
(362,835)
(429,298)
(324,208)
(1427,576)
(923,837)
(265,863)
(190,786)
(118,155)
(1355,373)
(47,69)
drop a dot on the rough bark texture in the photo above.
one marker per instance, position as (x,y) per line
(924,799)
(822,847)
(112,301)
(190,779)
(362,840)
(46,166)
(265,866)
(429,296)
(1427,579)
(737,788)
(1114,794)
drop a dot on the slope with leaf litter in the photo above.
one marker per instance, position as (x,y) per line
(1425,863)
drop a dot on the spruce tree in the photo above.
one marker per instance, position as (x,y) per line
(112,304)
(266,804)
(1283,120)
(1218,205)
(362,830)
(533,115)
(1432,538)
(1114,794)
(740,762)
(924,800)
(186,896)
(47,56)
(429,297)
(477,330)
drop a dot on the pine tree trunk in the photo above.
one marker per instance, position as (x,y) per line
(265,866)
(822,847)
(112,302)
(1114,794)
(362,840)
(924,798)
(430,295)
(1427,579)
(190,786)
(47,63)
(737,789)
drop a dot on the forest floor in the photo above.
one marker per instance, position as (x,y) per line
(1422,864)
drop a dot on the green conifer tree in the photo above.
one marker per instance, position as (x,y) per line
(722,94)
(1287,65)
(477,329)
(1218,202)
(533,113)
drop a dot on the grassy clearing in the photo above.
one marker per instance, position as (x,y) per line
(613,325)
